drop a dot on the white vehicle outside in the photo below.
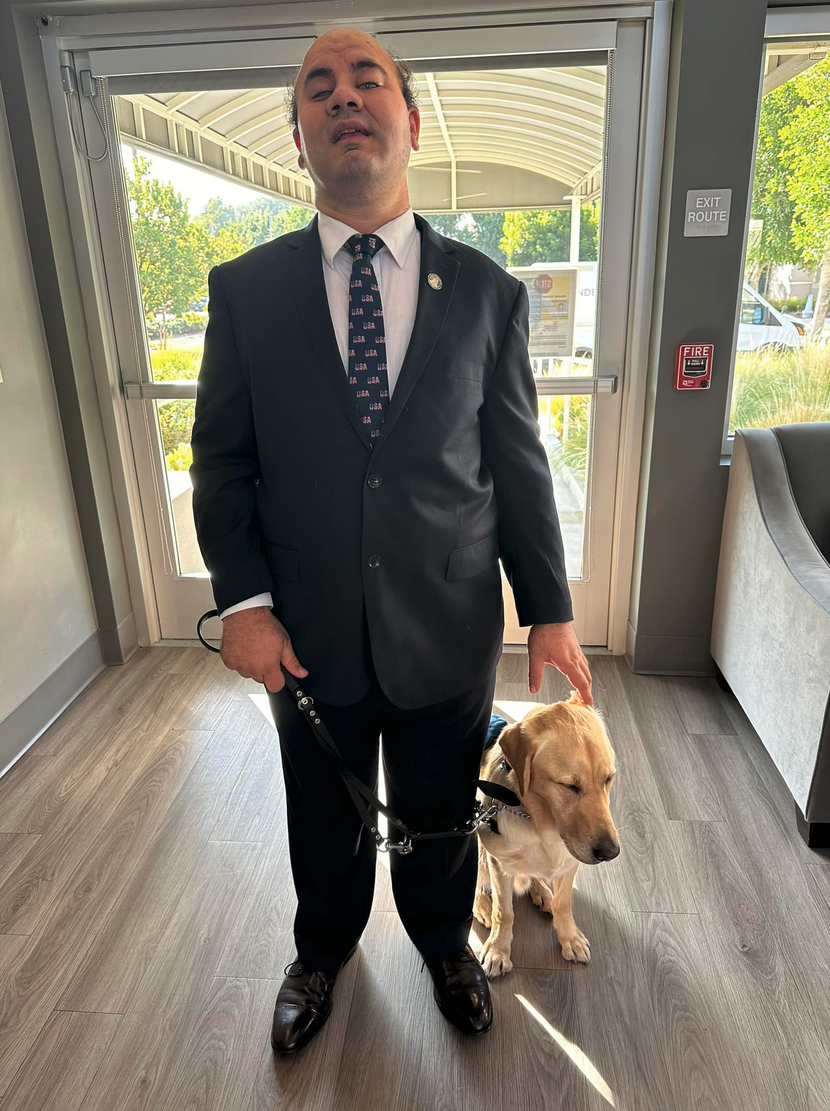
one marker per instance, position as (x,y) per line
(762,325)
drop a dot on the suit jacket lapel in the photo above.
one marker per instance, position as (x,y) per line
(430,318)
(305,277)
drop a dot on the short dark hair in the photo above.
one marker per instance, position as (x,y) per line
(405,76)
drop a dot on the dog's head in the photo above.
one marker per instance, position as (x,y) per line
(565,766)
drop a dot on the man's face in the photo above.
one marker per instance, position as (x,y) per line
(347,78)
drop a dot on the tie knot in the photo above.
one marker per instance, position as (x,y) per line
(362,246)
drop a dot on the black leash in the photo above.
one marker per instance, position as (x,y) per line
(358,791)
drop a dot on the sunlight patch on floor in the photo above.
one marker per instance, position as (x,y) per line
(573,1051)
(512,711)
(263,705)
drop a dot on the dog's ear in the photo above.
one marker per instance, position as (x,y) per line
(519,749)
(576,698)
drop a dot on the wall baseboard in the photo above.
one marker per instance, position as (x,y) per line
(665,655)
(23,726)
(120,642)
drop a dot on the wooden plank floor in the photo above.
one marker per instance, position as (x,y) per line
(146,909)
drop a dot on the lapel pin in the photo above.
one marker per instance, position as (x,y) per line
(434,281)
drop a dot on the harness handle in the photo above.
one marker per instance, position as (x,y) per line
(200,622)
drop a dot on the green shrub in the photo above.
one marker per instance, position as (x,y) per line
(575,444)
(574,439)
(175,421)
(175,417)
(176,363)
(188,323)
(784,386)
(180,459)
(792,305)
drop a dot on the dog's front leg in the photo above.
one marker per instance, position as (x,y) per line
(541,895)
(496,952)
(575,945)
(482,907)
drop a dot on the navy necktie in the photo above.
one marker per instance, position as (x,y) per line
(367,336)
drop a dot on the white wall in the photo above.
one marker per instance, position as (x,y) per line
(46,609)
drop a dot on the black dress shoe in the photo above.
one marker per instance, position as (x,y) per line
(462,991)
(303,1005)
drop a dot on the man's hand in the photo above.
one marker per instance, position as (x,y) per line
(254,644)
(557,645)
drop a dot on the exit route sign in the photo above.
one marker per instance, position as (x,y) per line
(707,212)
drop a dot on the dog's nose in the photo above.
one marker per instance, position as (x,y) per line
(607,849)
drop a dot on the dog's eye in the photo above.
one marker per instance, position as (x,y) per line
(610,779)
(571,786)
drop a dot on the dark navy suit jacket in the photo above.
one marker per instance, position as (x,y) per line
(289,495)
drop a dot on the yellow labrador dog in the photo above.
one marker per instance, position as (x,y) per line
(559,761)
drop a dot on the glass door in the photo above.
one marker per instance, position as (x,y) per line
(528,153)
(781,370)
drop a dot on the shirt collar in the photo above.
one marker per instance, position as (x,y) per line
(398,235)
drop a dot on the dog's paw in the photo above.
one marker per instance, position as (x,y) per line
(483,908)
(542,896)
(575,947)
(495,961)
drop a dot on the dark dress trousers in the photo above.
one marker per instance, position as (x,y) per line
(383,562)
(289,496)
(431,758)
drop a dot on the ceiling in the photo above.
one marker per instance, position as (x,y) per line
(490,140)
(787,58)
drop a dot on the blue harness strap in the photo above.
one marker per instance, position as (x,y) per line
(498,791)
(496,725)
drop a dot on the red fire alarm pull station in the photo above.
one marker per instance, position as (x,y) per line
(693,369)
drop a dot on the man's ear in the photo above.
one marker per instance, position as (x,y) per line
(519,750)
(298,143)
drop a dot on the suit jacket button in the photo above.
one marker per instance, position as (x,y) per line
(374,480)
(374,561)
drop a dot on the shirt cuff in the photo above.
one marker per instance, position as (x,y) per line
(249,603)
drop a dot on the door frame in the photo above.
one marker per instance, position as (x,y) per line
(651,21)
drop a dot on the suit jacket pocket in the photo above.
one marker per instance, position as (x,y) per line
(471,560)
(284,562)
(464,368)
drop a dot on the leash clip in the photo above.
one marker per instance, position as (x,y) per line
(485,815)
(402,847)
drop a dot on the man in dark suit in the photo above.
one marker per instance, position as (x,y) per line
(365,449)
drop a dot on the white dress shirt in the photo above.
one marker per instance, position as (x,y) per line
(397,267)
